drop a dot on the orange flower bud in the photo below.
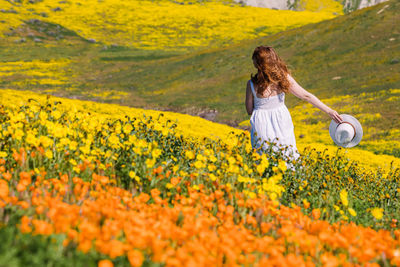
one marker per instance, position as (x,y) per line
(21,187)
(105,263)
(135,258)
(7,176)
(316,213)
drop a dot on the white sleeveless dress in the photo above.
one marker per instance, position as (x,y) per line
(271,121)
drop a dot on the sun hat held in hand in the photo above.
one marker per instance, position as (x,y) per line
(348,133)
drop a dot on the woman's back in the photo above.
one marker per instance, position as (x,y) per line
(271,121)
(270,102)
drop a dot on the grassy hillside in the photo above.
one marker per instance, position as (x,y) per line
(347,55)
(353,57)
(165,25)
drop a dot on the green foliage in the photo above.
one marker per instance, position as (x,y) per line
(322,177)
(19,249)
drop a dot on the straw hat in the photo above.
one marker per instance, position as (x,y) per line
(348,133)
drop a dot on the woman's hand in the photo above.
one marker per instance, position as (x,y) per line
(335,116)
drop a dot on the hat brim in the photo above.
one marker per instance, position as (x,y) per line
(357,126)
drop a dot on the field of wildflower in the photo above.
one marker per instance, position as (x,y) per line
(94,184)
(312,126)
(215,78)
(167,25)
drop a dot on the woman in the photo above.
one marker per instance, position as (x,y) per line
(265,101)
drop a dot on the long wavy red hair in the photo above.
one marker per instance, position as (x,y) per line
(271,69)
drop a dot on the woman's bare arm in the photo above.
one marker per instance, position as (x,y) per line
(249,99)
(301,93)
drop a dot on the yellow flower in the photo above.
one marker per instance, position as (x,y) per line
(343,197)
(233,169)
(49,154)
(150,163)
(132,138)
(18,134)
(43,116)
(195,187)
(208,152)
(273,196)
(282,165)
(189,154)
(3,154)
(73,145)
(31,139)
(200,157)
(85,149)
(377,213)
(45,141)
(212,177)
(352,212)
(113,140)
(336,207)
(252,195)
(156,153)
(141,143)
(211,167)
(212,158)
(175,168)
(262,167)
(198,164)
(127,128)
(264,160)
(136,150)
(231,160)
(56,114)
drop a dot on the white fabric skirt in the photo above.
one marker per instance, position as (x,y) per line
(273,125)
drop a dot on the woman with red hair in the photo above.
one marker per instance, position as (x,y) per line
(265,94)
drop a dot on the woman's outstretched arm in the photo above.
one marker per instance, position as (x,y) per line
(249,99)
(301,93)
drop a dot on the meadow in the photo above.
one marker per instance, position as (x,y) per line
(99,184)
(98,168)
(325,58)
(165,25)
